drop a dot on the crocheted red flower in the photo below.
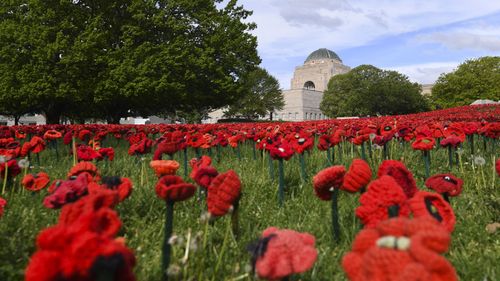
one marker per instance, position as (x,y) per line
(37,144)
(35,182)
(432,205)
(85,167)
(196,164)
(52,135)
(3,203)
(326,180)
(445,183)
(67,191)
(223,193)
(381,194)
(107,152)
(166,147)
(204,176)
(400,173)
(173,188)
(141,147)
(86,153)
(99,199)
(286,252)
(358,176)
(400,249)
(12,169)
(122,186)
(281,151)
(423,143)
(452,141)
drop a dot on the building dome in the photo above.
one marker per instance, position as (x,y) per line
(322,53)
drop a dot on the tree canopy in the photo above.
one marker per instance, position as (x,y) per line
(472,80)
(367,90)
(116,58)
(261,95)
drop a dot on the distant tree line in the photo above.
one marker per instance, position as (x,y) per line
(115,58)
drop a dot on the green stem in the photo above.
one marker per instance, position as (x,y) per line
(335,215)
(185,154)
(281,187)
(471,140)
(450,156)
(253,150)
(427,163)
(223,250)
(169,222)
(5,177)
(303,167)
(363,152)
(271,167)
(328,158)
(235,222)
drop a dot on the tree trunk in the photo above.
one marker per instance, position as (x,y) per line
(52,117)
(16,120)
(113,119)
(271,116)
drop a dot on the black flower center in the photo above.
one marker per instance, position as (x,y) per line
(432,210)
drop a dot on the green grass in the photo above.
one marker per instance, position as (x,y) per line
(474,252)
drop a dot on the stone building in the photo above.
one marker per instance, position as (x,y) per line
(309,82)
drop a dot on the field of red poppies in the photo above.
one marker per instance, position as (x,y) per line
(413,197)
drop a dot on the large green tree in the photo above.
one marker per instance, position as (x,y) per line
(367,90)
(113,58)
(472,80)
(261,96)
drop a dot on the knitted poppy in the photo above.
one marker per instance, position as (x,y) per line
(107,152)
(37,144)
(67,191)
(400,249)
(173,188)
(281,151)
(223,193)
(12,167)
(358,176)
(424,143)
(432,205)
(20,135)
(164,167)
(281,253)
(98,199)
(324,142)
(196,164)
(400,173)
(3,203)
(452,141)
(35,182)
(381,194)
(302,142)
(84,134)
(52,135)
(123,186)
(25,149)
(87,153)
(326,180)
(204,176)
(165,147)
(445,183)
(141,147)
(85,167)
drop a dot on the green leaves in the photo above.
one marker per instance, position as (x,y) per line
(367,90)
(474,79)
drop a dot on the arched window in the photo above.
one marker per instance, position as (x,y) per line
(309,85)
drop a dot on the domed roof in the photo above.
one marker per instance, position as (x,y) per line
(322,53)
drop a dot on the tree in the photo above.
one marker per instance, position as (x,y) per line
(367,90)
(261,96)
(472,80)
(111,59)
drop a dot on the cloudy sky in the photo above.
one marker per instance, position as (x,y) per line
(419,38)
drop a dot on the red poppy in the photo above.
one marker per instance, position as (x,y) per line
(445,183)
(52,135)
(173,188)
(84,134)
(12,169)
(123,186)
(26,149)
(68,137)
(223,193)
(432,205)
(400,173)
(358,176)
(35,182)
(67,191)
(326,180)
(98,199)
(302,142)
(165,147)
(204,176)
(281,253)
(3,203)
(452,141)
(20,135)
(37,144)
(85,167)
(86,153)
(164,167)
(107,152)
(381,194)
(400,249)
(423,143)
(324,142)
(196,164)
(141,147)
(281,151)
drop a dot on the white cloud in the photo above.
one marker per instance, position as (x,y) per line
(425,73)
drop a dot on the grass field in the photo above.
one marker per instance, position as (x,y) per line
(474,252)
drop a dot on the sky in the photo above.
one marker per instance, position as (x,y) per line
(419,38)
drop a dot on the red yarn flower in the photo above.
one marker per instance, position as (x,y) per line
(52,135)
(281,253)
(204,176)
(196,164)
(35,182)
(326,180)
(98,199)
(37,144)
(432,205)
(141,147)
(381,194)
(173,188)
(67,191)
(401,174)
(452,141)
(122,186)
(85,167)
(400,249)
(3,203)
(281,151)
(358,176)
(12,169)
(445,183)
(223,193)
(423,143)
